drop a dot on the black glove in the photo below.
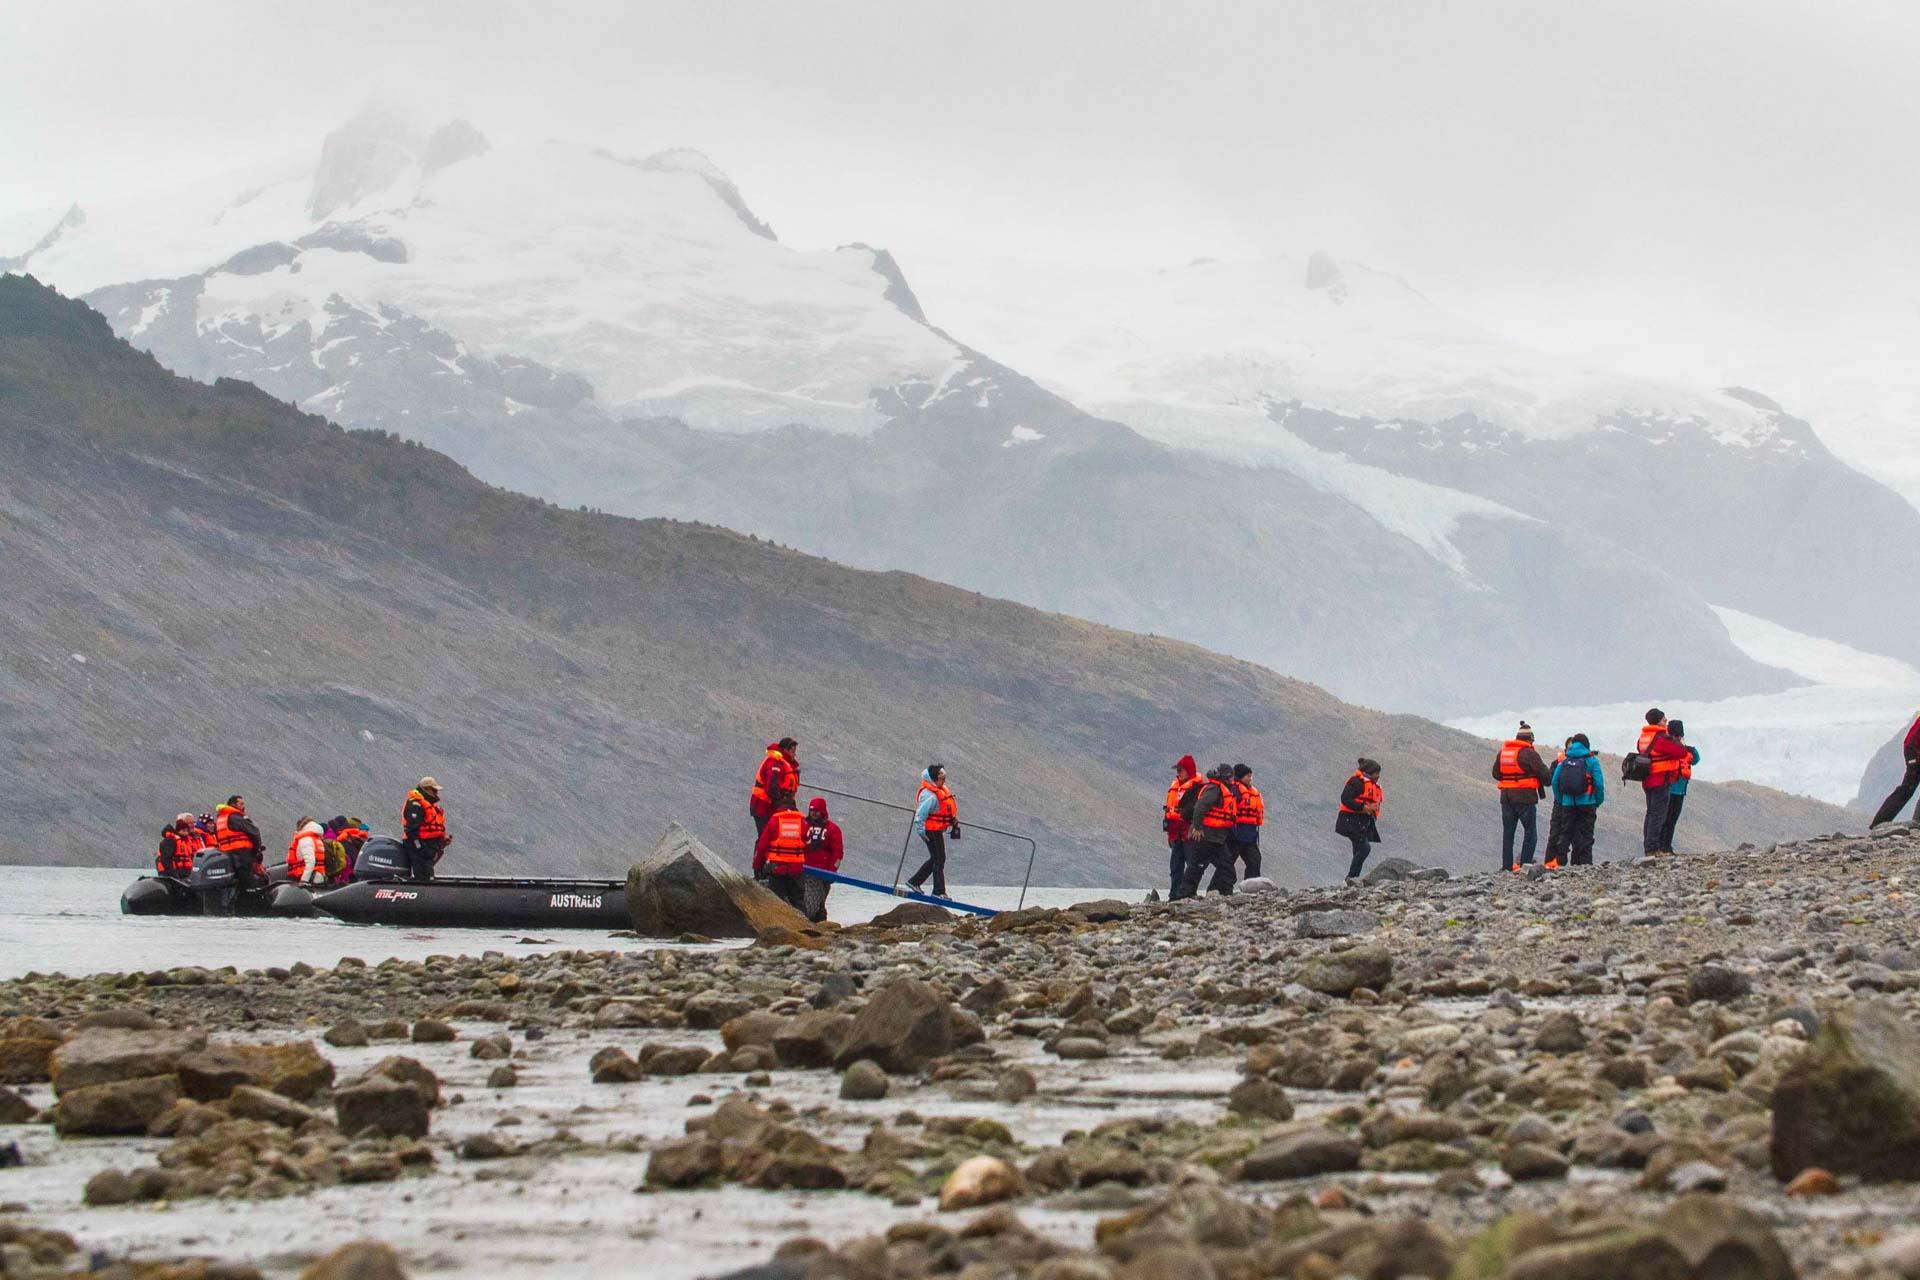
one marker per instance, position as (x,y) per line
(956,831)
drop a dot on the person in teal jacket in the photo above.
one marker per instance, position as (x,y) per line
(1579,788)
(1677,789)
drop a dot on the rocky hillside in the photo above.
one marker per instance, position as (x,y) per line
(231,595)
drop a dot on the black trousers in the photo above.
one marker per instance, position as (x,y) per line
(935,865)
(1557,835)
(1674,805)
(1653,835)
(1897,799)
(1201,855)
(1248,852)
(1361,848)
(1176,865)
(422,855)
(789,890)
(1571,830)
(1525,817)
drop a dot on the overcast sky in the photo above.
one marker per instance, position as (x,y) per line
(1713,190)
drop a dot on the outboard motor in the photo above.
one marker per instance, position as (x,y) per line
(382,858)
(216,880)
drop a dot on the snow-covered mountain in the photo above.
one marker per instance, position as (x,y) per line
(1277,461)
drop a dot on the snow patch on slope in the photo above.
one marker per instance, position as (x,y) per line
(1815,739)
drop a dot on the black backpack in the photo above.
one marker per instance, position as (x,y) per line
(1575,778)
(1635,767)
(1187,798)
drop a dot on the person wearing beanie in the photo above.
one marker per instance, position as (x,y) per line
(1250,814)
(1677,789)
(1174,819)
(825,848)
(936,816)
(1359,819)
(1579,788)
(1215,814)
(1521,776)
(1666,759)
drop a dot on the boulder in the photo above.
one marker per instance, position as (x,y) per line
(1341,973)
(297,1070)
(26,1056)
(1302,1155)
(1719,1238)
(981,1180)
(682,887)
(1390,869)
(117,1106)
(864,1081)
(1639,1252)
(911,913)
(15,1109)
(686,1164)
(361,1260)
(1851,1102)
(250,1102)
(905,1024)
(410,1071)
(107,1054)
(812,1039)
(1334,924)
(1102,910)
(384,1104)
(1717,982)
(1256,884)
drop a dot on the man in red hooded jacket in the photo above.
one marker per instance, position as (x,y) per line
(1186,776)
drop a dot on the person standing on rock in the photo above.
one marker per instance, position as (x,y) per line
(780,856)
(423,827)
(1186,776)
(1909,783)
(1579,788)
(1677,789)
(1250,814)
(935,816)
(1215,814)
(825,848)
(1359,819)
(1663,756)
(1522,775)
(777,782)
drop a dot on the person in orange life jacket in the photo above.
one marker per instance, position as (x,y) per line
(423,829)
(1215,812)
(1359,819)
(777,782)
(1250,814)
(352,833)
(178,843)
(307,853)
(935,817)
(780,855)
(1909,783)
(1665,757)
(1677,789)
(825,848)
(1522,776)
(1186,776)
(235,834)
(1579,788)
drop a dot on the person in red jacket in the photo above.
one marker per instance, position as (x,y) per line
(780,856)
(1667,758)
(777,782)
(1186,776)
(178,844)
(825,848)
(1897,799)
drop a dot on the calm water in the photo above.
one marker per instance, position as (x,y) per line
(67,920)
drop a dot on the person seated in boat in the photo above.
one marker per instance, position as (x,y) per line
(235,835)
(344,837)
(780,855)
(179,841)
(307,854)
(825,848)
(423,829)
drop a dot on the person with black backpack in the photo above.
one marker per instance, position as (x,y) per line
(1579,788)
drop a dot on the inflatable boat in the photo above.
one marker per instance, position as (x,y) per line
(178,896)
(481,903)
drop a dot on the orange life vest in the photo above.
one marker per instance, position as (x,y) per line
(297,858)
(1370,797)
(787,851)
(1647,735)
(944,813)
(1175,790)
(1226,813)
(176,851)
(1252,809)
(784,777)
(433,823)
(225,838)
(1512,776)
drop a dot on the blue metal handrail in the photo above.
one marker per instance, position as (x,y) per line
(1033,847)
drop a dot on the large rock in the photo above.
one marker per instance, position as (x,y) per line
(908,914)
(116,1106)
(1302,1155)
(106,1054)
(1851,1103)
(1334,924)
(388,1106)
(1388,870)
(361,1260)
(906,1023)
(27,1046)
(1341,973)
(296,1070)
(682,887)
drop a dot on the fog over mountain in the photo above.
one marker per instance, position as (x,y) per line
(1555,431)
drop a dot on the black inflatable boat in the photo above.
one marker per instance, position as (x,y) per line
(174,896)
(482,903)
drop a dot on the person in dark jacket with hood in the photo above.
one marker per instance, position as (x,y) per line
(1214,816)
(1250,815)
(1186,776)
(826,846)
(1579,787)
(1677,789)
(1359,819)
(1909,783)
(1522,776)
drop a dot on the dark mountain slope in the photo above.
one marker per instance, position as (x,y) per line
(267,603)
